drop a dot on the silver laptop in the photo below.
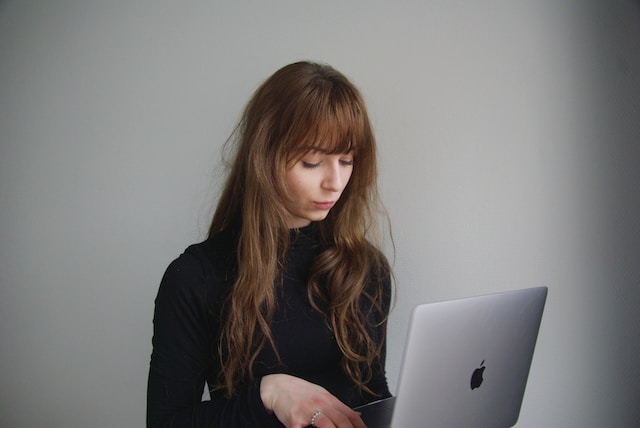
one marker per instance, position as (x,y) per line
(466,363)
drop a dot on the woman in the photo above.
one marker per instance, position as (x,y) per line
(282,311)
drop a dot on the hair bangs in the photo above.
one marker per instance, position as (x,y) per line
(334,123)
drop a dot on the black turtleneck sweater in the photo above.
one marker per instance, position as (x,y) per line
(187,325)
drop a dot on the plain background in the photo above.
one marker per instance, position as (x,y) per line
(509,141)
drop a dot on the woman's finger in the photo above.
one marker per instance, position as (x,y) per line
(321,420)
(339,419)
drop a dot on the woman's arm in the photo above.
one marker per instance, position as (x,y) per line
(295,402)
(378,332)
(182,358)
(185,328)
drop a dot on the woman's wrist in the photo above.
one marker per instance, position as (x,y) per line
(266,391)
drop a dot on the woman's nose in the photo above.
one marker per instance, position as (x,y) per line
(333,179)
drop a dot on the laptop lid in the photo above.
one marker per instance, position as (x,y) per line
(466,362)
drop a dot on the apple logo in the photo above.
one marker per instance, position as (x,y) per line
(476,377)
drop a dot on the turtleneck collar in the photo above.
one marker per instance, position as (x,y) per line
(303,236)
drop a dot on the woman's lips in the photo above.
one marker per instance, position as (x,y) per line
(324,205)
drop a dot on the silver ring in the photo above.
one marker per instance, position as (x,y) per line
(313,418)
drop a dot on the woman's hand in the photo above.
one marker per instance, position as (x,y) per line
(295,401)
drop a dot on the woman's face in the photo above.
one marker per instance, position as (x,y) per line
(315,184)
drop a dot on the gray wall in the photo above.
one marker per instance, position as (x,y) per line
(508,134)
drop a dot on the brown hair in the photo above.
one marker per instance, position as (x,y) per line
(302,105)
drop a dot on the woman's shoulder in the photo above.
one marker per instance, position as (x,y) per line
(380,266)
(205,268)
(216,254)
(380,280)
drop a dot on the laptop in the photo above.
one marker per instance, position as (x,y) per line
(466,363)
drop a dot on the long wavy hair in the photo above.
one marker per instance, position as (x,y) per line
(302,105)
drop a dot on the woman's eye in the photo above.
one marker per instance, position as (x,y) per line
(310,165)
(346,162)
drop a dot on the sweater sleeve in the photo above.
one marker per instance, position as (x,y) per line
(379,383)
(184,330)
